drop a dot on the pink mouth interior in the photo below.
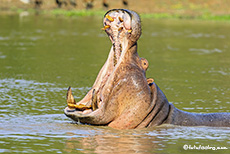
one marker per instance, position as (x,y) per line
(117,24)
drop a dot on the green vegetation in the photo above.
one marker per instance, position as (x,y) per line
(206,16)
(70,13)
(215,10)
(180,16)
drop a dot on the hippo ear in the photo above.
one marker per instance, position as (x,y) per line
(153,88)
(150,81)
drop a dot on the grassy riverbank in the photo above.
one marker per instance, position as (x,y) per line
(217,10)
(71,13)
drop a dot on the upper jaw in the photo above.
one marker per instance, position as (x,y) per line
(123,28)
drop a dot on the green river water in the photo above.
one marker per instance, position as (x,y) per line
(40,56)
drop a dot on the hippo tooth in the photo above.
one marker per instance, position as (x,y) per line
(82,107)
(79,107)
(71,101)
(105,27)
(94,101)
(109,18)
(121,20)
(71,105)
(69,97)
(120,29)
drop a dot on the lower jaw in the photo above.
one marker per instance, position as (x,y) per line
(68,111)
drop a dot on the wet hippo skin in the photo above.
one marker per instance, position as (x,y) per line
(122,97)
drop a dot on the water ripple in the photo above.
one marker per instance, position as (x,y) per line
(206,51)
(2,56)
(4,38)
(20,97)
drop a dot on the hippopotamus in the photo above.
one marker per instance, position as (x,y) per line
(121,96)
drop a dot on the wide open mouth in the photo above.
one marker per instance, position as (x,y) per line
(120,25)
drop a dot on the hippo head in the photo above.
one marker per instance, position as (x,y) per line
(121,96)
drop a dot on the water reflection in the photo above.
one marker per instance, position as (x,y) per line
(114,141)
(155,140)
